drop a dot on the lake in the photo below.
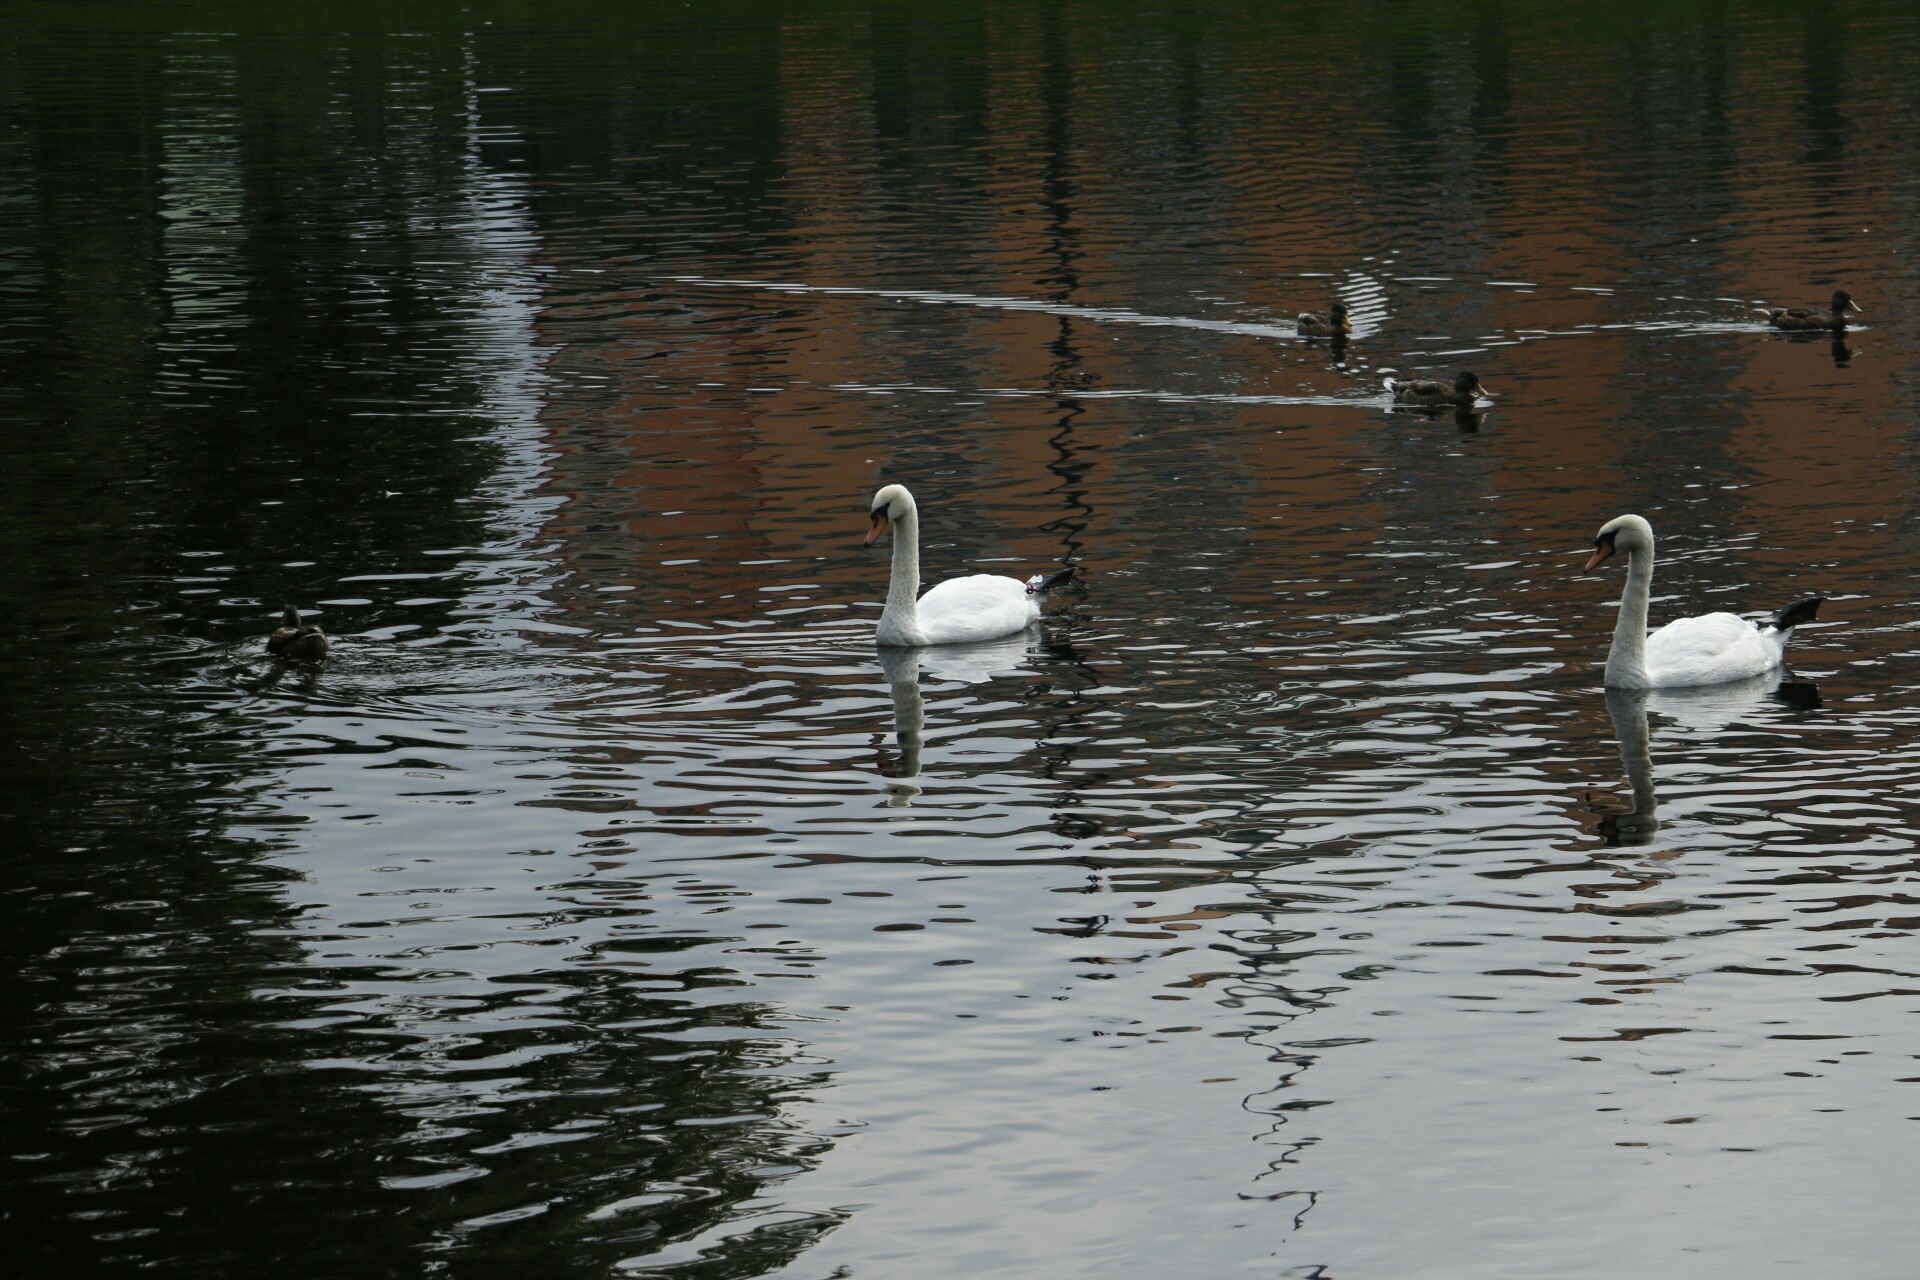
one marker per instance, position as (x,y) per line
(1291,901)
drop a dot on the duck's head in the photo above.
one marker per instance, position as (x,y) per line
(1622,533)
(890,506)
(1338,312)
(290,617)
(1470,384)
(1843,302)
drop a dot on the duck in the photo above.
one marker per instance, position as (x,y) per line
(1323,324)
(1712,648)
(967,610)
(1434,394)
(300,643)
(1833,316)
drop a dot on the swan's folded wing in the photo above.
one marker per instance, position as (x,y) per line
(977,607)
(1709,649)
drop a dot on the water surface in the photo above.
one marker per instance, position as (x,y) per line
(1291,902)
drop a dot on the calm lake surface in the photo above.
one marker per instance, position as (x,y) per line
(1291,903)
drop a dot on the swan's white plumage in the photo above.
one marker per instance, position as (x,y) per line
(1713,648)
(967,610)
(980,606)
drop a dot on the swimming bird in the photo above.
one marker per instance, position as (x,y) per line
(1804,318)
(980,606)
(1321,324)
(290,639)
(1433,394)
(1712,648)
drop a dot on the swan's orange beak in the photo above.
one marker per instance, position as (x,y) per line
(1604,550)
(879,527)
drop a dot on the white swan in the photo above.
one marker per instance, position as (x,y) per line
(980,606)
(1710,649)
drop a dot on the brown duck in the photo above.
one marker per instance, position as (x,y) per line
(296,642)
(1324,324)
(1434,394)
(1804,318)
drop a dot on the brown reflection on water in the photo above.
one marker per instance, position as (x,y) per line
(1027,150)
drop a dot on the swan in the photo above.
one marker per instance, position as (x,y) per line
(1713,648)
(980,606)
(291,640)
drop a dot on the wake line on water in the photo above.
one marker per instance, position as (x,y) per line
(1103,315)
(1287,333)
(1168,397)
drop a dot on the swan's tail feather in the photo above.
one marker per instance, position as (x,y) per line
(1040,584)
(1796,613)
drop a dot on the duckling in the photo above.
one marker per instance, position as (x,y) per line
(1322,324)
(299,643)
(1804,318)
(1429,393)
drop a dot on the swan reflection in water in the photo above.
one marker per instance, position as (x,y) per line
(964,664)
(902,669)
(1708,709)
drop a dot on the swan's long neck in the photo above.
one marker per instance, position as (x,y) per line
(903,594)
(1627,658)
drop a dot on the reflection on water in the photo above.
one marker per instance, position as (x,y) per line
(1706,710)
(952,664)
(902,668)
(1639,824)
(1291,901)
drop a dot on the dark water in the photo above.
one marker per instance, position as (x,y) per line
(1292,903)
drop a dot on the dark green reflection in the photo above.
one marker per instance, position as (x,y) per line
(265,279)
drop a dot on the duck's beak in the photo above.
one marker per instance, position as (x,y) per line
(1600,553)
(1852,305)
(879,527)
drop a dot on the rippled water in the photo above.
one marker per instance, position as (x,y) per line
(1291,902)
